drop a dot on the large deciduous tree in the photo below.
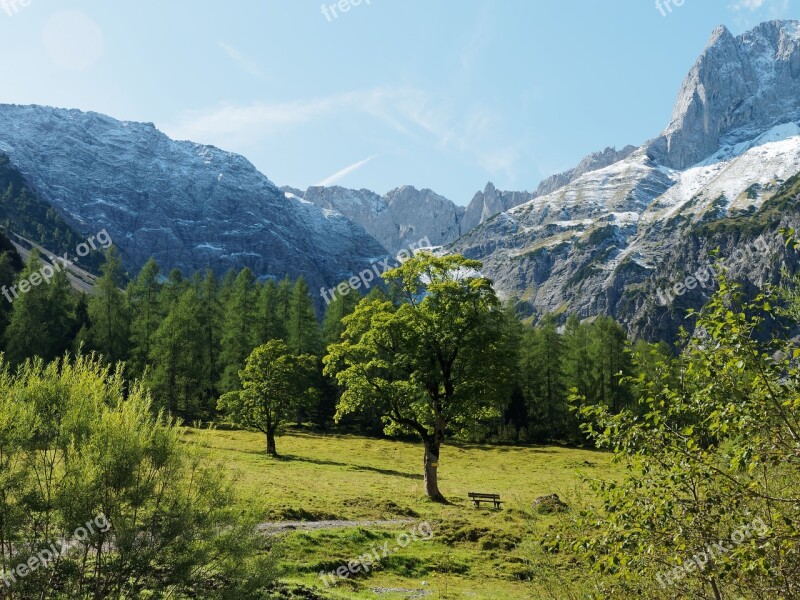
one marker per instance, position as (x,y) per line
(436,364)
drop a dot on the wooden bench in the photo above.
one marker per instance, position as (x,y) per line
(477,498)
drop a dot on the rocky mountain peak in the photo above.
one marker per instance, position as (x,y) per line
(739,87)
(189,205)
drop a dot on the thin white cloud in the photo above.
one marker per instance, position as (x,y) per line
(748,13)
(774,7)
(413,113)
(747,4)
(339,175)
(246,64)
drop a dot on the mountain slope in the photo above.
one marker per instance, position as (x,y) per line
(188,205)
(405,215)
(400,218)
(600,243)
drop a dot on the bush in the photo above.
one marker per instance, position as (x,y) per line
(78,448)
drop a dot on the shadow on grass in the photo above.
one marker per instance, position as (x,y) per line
(333,463)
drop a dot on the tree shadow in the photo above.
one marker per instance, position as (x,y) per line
(333,463)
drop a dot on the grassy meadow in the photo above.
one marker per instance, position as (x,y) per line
(474,553)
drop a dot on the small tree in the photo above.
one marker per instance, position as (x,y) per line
(80,445)
(436,365)
(709,453)
(274,382)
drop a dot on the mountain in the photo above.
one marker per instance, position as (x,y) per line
(611,239)
(188,205)
(405,215)
(398,219)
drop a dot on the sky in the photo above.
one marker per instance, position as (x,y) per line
(436,94)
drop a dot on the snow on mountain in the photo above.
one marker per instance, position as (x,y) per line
(190,206)
(597,243)
(398,219)
(406,214)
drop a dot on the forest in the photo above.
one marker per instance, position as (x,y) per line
(98,387)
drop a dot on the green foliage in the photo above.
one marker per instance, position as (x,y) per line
(543,380)
(146,313)
(42,320)
(333,322)
(437,364)
(592,358)
(180,376)
(304,334)
(240,332)
(273,383)
(708,452)
(109,316)
(77,446)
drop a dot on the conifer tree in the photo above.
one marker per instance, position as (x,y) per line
(612,360)
(108,311)
(210,331)
(542,362)
(42,318)
(338,309)
(240,332)
(272,326)
(304,332)
(176,356)
(146,313)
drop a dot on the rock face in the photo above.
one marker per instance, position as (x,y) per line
(397,220)
(405,215)
(611,236)
(488,203)
(610,239)
(739,88)
(188,205)
(593,162)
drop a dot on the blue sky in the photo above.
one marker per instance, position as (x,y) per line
(435,94)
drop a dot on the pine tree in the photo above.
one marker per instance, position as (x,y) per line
(304,332)
(177,354)
(240,332)
(42,318)
(108,312)
(146,313)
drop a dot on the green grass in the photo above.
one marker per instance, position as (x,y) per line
(478,554)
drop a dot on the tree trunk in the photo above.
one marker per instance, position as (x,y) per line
(432,470)
(271,451)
